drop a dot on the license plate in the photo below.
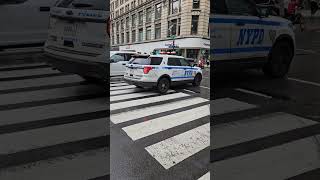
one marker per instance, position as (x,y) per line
(70,30)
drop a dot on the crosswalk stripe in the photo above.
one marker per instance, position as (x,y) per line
(41,113)
(279,162)
(38,95)
(36,138)
(125,91)
(85,165)
(135,114)
(133,103)
(25,83)
(122,87)
(147,128)
(227,105)
(258,127)
(205,177)
(173,150)
(27,72)
(134,95)
(118,84)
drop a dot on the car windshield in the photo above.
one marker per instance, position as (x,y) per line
(147,61)
(85,4)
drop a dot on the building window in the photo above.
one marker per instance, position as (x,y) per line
(118,39)
(140,35)
(196,4)
(133,38)
(148,15)
(174,6)
(118,25)
(122,25)
(133,20)
(158,11)
(140,17)
(174,27)
(192,53)
(122,38)
(157,31)
(127,23)
(127,37)
(148,33)
(194,25)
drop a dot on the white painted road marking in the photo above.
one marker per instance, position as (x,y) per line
(226,105)
(122,87)
(305,82)
(133,103)
(118,84)
(135,114)
(253,92)
(125,91)
(205,177)
(147,128)
(178,148)
(134,95)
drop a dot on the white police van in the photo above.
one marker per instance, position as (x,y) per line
(247,35)
(162,71)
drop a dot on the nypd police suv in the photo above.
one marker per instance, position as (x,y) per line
(162,71)
(247,35)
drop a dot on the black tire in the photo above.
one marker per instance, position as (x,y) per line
(163,85)
(279,60)
(197,80)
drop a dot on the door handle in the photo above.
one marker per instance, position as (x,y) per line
(240,24)
(44,9)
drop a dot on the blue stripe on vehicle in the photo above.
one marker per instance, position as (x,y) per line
(246,21)
(169,67)
(182,77)
(240,50)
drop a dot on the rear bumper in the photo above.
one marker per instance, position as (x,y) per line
(140,83)
(77,66)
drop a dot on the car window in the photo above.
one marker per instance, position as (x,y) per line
(117,57)
(184,62)
(85,4)
(128,57)
(147,61)
(174,62)
(241,7)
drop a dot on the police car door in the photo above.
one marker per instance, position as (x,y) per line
(174,69)
(247,33)
(220,31)
(188,70)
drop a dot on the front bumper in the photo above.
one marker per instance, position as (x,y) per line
(76,66)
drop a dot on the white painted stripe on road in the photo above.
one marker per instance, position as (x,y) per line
(122,87)
(85,165)
(134,95)
(227,105)
(133,103)
(205,177)
(257,127)
(118,84)
(253,92)
(305,82)
(135,114)
(173,150)
(27,72)
(147,128)
(307,50)
(26,83)
(126,91)
(204,87)
(48,136)
(276,163)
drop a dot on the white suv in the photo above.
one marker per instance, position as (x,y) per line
(78,38)
(162,71)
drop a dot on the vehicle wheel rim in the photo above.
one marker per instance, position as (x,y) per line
(163,86)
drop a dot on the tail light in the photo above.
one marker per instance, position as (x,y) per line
(147,69)
(108,26)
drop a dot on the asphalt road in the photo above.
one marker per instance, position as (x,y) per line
(53,125)
(160,136)
(274,134)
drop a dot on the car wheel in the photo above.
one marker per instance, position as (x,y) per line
(197,80)
(163,85)
(279,60)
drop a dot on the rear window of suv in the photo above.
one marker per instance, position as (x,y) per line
(147,61)
(85,4)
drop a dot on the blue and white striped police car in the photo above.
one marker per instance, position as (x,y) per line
(247,35)
(162,71)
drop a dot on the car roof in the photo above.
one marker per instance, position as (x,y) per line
(166,55)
